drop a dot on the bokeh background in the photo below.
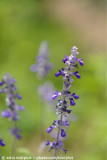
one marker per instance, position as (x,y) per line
(63,23)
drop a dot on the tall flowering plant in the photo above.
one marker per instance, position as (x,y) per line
(42,67)
(65,99)
(11,113)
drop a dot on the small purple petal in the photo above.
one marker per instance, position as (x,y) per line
(12,80)
(14,116)
(81,62)
(65,150)
(50,129)
(72,102)
(56,94)
(48,142)
(21,108)
(65,59)
(60,143)
(68,110)
(75,96)
(63,133)
(66,123)
(77,75)
(5,114)
(18,96)
(6,77)
(16,132)
(18,136)
(57,74)
(2,143)
(34,68)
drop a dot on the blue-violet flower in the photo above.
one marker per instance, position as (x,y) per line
(46,91)
(42,66)
(11,113)
(65,98)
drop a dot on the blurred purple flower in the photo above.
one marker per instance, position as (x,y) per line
(42,65)
(46,91)
(16,132)
(10,89)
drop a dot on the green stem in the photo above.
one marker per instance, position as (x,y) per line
(14,143)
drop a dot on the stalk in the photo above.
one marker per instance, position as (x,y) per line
(14,143)
(58,137)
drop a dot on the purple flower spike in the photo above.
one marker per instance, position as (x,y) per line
(65,99)
(9,89)
(49,130)
(63,133)
(42,66)
(56,94)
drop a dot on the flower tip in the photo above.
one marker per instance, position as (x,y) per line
(57,74)
(49,129)
(63,133)
(48,142)
(81,63)
(2,143)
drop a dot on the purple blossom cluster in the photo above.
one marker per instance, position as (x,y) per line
(65,98)
(11,113)
(42,66)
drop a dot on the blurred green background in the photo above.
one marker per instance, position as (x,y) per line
(23,25)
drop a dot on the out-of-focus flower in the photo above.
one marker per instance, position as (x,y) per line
(16,132)
(46,91)
(2,142)
(42,65)
(10,90)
